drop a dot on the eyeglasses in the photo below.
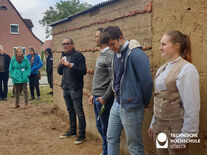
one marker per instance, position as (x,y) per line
(66,44)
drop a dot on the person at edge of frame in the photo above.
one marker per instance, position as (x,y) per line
(177,94)
(4,73)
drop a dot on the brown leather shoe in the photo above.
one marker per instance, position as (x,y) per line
(16,106)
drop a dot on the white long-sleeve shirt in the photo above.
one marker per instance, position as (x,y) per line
(187,83)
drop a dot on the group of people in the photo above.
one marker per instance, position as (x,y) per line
(122,88)
(22,70)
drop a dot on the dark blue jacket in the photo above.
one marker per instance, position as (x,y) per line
(49,61)
(76,73)
(136,83)
(7,60)
(37,64)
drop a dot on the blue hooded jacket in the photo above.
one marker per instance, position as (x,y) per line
(136,83)
(36,65)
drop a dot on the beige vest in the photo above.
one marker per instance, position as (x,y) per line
(168,104)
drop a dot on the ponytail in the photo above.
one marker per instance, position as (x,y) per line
(186,49)
(185,44)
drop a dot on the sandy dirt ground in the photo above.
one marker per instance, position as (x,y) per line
(36,130)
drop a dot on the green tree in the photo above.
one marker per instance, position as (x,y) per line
(61,10)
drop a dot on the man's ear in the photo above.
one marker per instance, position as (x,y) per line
(121,37)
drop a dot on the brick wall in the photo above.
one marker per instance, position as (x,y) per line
(25,38)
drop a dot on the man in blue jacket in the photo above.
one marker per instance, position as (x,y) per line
(132,84)
(49,68)
(4,73)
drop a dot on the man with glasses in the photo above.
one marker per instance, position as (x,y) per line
(72,67)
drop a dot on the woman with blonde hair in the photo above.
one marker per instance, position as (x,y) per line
(177,95)
(19,71)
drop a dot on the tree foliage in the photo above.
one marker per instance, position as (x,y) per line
(61,10)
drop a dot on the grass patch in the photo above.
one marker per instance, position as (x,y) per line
(43,72)
(44,96)
(10,93)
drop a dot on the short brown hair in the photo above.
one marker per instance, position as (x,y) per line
(110,32)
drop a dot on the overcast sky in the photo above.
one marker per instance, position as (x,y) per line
(33,9)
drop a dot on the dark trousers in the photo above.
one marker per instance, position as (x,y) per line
(73,100)
(102,122)
(34,84)
(50,79)
(4,77)
(19,87)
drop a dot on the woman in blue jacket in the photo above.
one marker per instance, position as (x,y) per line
(36,64)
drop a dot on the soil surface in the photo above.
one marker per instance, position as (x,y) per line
(36,130)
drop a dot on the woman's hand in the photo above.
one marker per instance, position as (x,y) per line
(150,132)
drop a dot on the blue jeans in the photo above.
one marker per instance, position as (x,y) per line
(102,123)
(131,121)
(73,100)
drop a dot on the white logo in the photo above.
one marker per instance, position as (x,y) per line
(161,138)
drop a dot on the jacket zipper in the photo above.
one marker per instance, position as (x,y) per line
(128,53)
(113,77)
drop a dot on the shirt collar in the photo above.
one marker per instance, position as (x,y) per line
(69,53)
(171,63)
(122,49)
(105,49)
(125,45)
(174,61)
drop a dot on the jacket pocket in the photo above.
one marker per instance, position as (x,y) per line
(17,76)
(24,76)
